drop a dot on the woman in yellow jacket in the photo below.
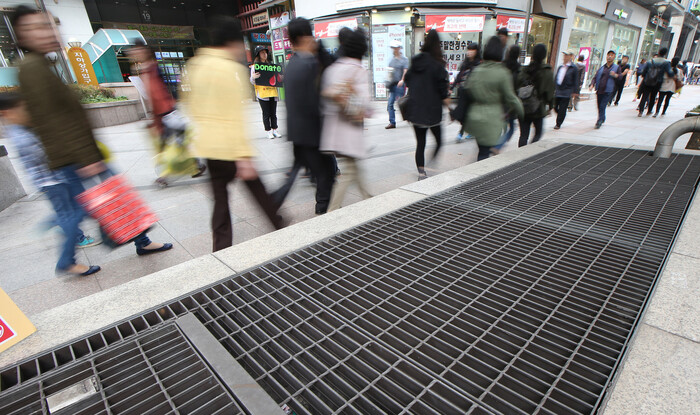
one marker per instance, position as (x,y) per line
(216,86)
(267,95)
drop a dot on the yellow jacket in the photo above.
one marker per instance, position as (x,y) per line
(214,88)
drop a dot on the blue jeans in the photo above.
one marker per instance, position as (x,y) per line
(507,135)
(603,100)
(69,214)
(395,92)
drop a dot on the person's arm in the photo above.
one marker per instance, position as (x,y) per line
(510,100)
(403,76)
(253,75)
(669,70)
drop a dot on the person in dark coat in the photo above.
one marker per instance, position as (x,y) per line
(581,75)
(566,82)
(428,86)
(513,65)
(303,104)
(473,59)
(540,75)
(604,82)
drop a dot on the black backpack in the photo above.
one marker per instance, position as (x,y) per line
(529,96)
(652,77)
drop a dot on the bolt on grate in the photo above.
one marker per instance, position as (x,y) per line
(155,373)
(515,293)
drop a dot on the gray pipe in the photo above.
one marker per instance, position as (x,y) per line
(664,145)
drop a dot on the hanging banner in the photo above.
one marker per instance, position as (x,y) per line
(280,19)
(80,61)
(324,30)
(14,325)
(260,19)
(447,24)
(381,55)
(513,24)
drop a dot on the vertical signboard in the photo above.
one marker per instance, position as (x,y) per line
(82,67)
(14,325)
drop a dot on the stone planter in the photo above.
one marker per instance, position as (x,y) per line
(105,114)
(128,90)
(11,189)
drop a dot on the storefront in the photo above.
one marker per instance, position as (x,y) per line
(655,37)
(326,30)
(588,36)
(388,27)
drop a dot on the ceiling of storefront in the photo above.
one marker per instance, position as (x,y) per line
(164,12)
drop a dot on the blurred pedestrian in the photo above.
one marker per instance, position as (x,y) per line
(502,34)
(492,98)
(398,66)
(623,69)
(580,77)
(512,63)
(346,103)
(640,68)
(302,80)
(471,61)
(566,81)
(652,78)
(168,123)
(536,90)
(604,83)
(68,212)
(59,120)
(267,95)
(668,88)
(428,86)
(216,90)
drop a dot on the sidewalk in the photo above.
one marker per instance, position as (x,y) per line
(29,256)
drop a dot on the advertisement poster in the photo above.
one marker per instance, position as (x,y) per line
(323,30)
(14,325)
(270,74)
(586,52)
(452,24)
(513,24)
(280,19)
(454,52)
(381,55)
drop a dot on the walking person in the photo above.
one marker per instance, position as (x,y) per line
(59,120)
(398,66)
(513,65)
(580,78)
(492,98)
(346,103)
(623,69)
(216,90)
(638,74)
(604,83)
(68,212)
(566,82)
(473,59)
(428,83)
(302,79)
(652,78)
(267,95)
(541,101)
(668,88)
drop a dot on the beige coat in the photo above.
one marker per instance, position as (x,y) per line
(338,135)
(215,87)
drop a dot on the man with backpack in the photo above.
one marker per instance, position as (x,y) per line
(652,77)
(604,82)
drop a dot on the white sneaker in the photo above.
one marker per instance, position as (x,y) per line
(276,134)
(270,135)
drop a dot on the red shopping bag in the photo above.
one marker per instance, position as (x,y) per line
(118,209)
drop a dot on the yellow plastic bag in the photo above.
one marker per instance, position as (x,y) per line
(175,158)
(104,150)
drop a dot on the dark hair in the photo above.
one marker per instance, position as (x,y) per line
(258,51)
(474,46)
(539,53)
(663,52)
(431,46)
(226,30)
(21,12)
(502,31)
(493,51)
(9,100)
(353,43)
(611,51)
(675,61)
(512,58)
(581,58)
(625,56)
(297,28)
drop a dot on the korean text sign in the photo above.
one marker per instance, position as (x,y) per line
(82,67)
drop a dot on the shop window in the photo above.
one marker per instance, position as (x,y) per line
(9,53)
(542,31)
(624,42)
(588,38)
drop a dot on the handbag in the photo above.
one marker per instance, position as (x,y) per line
(403,106)
(118,209)
(679,84)
(459,113)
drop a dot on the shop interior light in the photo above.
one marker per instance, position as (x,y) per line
(407,9)
(375,11)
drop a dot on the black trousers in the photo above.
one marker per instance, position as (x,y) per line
(664,97)
(269,110)
(525,124)
(421,137)
(322,168)
(617,93)
(484,153)
(648,98)
(560,108)
(222,173)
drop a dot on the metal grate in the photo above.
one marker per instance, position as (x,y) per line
(514,293)
(157,372)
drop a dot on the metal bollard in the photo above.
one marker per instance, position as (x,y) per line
(664,145)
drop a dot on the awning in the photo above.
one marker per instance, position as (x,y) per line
(424,11)
(554,8)
(104,39)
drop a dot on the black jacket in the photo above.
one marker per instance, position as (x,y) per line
(301,86)
(569,84)
(428,83)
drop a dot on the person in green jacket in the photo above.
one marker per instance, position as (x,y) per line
(492,96)
(541,76)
